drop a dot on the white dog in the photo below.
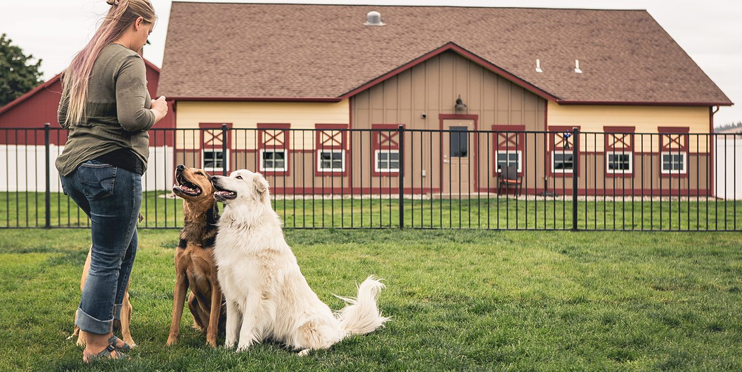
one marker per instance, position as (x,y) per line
(267,297)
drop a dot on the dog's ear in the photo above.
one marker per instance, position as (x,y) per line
(261,186)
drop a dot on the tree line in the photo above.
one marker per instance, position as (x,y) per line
(19,73)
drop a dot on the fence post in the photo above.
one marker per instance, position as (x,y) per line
(400,130)
(224,149)
(47,185)
(575,171)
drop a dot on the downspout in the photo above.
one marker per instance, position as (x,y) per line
(711,156)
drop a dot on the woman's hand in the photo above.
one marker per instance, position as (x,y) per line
(159,108)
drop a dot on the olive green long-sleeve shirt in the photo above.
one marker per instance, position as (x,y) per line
(117,112)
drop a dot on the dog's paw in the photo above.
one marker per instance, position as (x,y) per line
(304,352)
(229,343)
(242,347)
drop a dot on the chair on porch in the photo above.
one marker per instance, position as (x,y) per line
(509,177)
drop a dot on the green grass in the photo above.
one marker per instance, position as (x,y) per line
(459,300)
(495,212)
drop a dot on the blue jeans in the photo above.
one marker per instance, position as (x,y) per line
(111,198)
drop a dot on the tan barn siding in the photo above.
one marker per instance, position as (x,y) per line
(432,88)
(249,114)
(645,119)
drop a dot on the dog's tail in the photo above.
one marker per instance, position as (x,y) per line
(362,315)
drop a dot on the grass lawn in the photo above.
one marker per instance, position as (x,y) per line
(459,300)
(486,212)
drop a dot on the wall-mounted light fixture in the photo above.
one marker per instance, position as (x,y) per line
(460,105)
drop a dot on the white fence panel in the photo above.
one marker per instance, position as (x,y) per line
(23,169)
(728,168)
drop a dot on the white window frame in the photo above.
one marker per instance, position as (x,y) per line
(388,161)
(562,171)
(331,170)
(506,153)
(619,171)
(684,156)
(225,159)
(263,168)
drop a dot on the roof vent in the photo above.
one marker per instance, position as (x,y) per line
(373,18)
(577,67)
(538,66)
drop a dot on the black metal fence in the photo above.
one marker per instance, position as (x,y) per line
(393,177)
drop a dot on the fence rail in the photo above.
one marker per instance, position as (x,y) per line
(393,177)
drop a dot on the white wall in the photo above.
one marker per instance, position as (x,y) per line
(728,152)
(23,169)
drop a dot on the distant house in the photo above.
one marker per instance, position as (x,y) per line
(24,148)
(274,67)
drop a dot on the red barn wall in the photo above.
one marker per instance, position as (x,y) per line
(39,106)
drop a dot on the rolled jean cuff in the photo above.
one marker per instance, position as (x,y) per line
(117,311)
(91,325)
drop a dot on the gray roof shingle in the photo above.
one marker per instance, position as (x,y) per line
(291,51)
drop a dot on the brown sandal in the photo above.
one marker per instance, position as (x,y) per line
(104,354)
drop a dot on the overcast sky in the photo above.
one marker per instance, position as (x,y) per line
(709,31)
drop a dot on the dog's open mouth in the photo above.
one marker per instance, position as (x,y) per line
(184,187)
(222,194)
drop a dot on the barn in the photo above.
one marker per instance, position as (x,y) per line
(303,80)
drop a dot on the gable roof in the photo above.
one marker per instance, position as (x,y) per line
(325,52)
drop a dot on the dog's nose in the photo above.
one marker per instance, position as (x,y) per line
(180,167)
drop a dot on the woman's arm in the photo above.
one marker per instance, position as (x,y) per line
(132,98)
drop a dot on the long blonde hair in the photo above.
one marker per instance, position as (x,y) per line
(75,78)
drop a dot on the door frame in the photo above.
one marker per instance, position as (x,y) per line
(474,162)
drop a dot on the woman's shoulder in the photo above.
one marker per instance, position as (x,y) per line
(116,56)
(114,50)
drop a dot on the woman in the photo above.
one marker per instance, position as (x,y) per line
(107,110)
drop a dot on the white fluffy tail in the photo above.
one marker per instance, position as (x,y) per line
(362,315)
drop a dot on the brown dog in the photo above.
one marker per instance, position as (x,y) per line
(194,260)
(126,310)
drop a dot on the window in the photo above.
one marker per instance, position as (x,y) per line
(213,156)
(509,142)
(562,147)
(562,162)
(387,161)
(673,151)
(273,148)
(673,162)
(509,158)
(330,161)
(619,163)
(619,150)
(330,144)
(213,160)
(273,160)
(459,142)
